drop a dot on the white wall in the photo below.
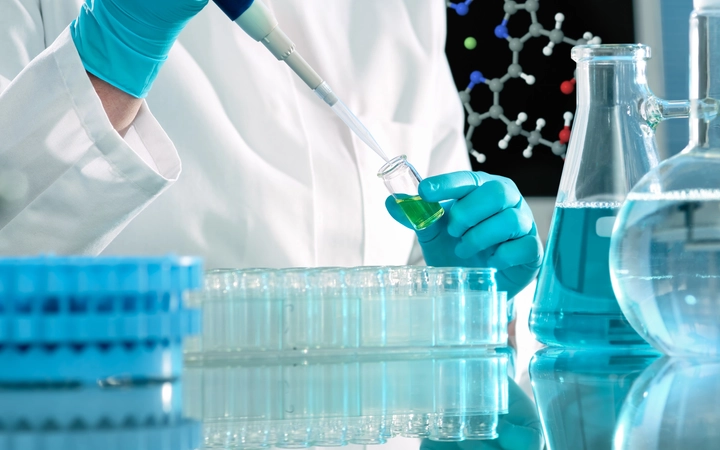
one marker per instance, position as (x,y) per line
(648,31)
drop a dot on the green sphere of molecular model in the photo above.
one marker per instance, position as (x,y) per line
(470,43)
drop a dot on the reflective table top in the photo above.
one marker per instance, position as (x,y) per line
(442,401)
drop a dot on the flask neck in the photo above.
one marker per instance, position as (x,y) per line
(611,82)
(704,80)
(612,143)
(615,76)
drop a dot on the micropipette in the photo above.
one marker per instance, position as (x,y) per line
(256,19)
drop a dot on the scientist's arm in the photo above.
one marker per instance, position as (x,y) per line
(69,183)
(123,44)
(22,20)
(120,107)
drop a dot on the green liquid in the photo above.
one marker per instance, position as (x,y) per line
(421,213)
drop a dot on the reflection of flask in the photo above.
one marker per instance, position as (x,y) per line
(673,404)
(579,393)
(612,146)
(665,258)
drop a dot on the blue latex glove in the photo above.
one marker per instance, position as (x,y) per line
(487,223)
(125,42)
(520,429)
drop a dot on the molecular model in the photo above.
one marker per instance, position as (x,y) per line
(496,85)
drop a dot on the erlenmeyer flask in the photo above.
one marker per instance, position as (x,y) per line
(611,148)
(665,258)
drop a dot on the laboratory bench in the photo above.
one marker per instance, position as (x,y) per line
(583,399)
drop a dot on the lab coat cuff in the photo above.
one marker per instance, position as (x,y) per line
(152,139)
(117,151)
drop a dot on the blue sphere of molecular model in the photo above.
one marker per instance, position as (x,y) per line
(462,9)
(501,31)
(477,77)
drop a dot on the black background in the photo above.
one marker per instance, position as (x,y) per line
(612,20)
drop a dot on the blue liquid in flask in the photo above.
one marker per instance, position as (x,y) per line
(574,301)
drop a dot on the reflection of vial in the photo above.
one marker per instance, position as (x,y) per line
(402,180)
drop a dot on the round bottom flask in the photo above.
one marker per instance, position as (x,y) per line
(665,256)
(665,249)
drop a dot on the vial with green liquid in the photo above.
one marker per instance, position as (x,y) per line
(402,180)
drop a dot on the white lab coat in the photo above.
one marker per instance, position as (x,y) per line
(270,177)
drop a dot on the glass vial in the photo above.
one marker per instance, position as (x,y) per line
(402,180)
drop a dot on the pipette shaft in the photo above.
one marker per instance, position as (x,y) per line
(256,19)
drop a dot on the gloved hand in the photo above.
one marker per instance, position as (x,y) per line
(487,223)
(520,429)
(125,42)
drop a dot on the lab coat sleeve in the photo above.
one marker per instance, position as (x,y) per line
(68,182)
(449,151)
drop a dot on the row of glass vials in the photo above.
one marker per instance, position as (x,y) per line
(337,432)
(261,313)
(361,400)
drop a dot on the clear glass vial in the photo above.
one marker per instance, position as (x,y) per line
(402,180)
